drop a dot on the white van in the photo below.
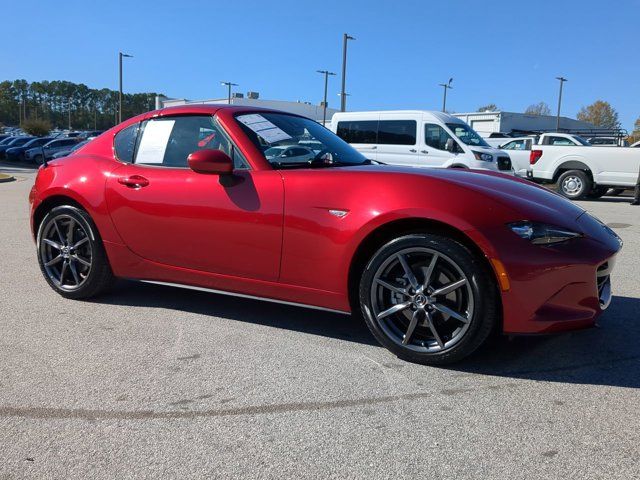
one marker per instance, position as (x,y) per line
(418,138)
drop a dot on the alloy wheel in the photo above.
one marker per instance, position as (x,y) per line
(422,300)
(66,252)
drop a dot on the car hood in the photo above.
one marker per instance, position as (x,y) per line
(526,200)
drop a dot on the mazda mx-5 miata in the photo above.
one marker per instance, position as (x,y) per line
(435,260)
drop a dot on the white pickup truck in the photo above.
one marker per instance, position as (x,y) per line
(581,170)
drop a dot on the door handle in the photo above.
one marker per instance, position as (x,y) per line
(133,181)
(374,147)
(424,151)
(413,150)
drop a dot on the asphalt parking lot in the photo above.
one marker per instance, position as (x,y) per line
(152,381)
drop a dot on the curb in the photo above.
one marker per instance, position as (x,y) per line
(7,179)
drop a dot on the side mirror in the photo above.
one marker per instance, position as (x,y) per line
(450,145)
(210,161)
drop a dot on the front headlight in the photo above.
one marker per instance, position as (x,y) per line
(484,157)
(541,233)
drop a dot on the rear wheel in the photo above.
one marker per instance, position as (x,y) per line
(574,184)
(428,299)
(38,159)
(70,253)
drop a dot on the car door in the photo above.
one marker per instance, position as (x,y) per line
(397,141)
(432,148)
(169,214)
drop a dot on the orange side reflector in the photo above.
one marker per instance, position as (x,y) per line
(503,278)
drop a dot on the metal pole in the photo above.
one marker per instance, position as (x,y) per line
(229,85)
(326,74)
(562,80)
(446,86)
(343,97)
(69,99)
(444,100)
(120,87)
(119,113)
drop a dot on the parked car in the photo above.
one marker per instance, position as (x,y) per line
(17,153)
(495,139)
(584,172)
(15,142)
(434,259)
(90,134)
(68,151)
(418,139)
(49,149)
(6,140)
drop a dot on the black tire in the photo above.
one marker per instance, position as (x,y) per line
(480,287)
(597,192)
(38,159)
(614,192)
(574,184)
(84,244)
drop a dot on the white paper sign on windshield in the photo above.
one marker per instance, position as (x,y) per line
(263,127)
(154,141)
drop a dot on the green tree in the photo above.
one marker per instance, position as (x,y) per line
(491,107)
(39,127)
(540,108)
(635,135)
(601,114)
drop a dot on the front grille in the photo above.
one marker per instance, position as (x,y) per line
(603,281)
(504,163)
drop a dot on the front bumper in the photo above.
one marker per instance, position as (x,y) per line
(558,287)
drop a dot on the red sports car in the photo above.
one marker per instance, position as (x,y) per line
(433,259)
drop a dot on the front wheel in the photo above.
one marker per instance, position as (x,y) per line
(428,299)
(597,192)
(574,184)
(71,255)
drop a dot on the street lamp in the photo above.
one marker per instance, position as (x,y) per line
(343,97)
(229,85)
(326,74)
(446,87)
(562,80)
(69,106)
(120,56)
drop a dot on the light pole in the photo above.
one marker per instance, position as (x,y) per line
(326,74)
(229,85)
(446,86)
(343,97)
(562,80)
(120,56)
(69,104)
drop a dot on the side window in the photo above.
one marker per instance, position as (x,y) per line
(125,143)
(435,136)
(169,141)
(397,132)
(560,141)
(515,145)
(358,131)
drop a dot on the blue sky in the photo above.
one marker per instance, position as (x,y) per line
(503,52)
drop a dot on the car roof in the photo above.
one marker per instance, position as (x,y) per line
(441,116)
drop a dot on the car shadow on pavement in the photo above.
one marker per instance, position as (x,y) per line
(607,355)
(304,320)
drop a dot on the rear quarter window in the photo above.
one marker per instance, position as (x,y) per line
(124,144)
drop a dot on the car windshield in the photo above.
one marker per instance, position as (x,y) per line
(287,141)
(467,134)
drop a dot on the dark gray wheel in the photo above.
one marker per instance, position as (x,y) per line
(71,255)
(428,299)
(38,159)
(574,184)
